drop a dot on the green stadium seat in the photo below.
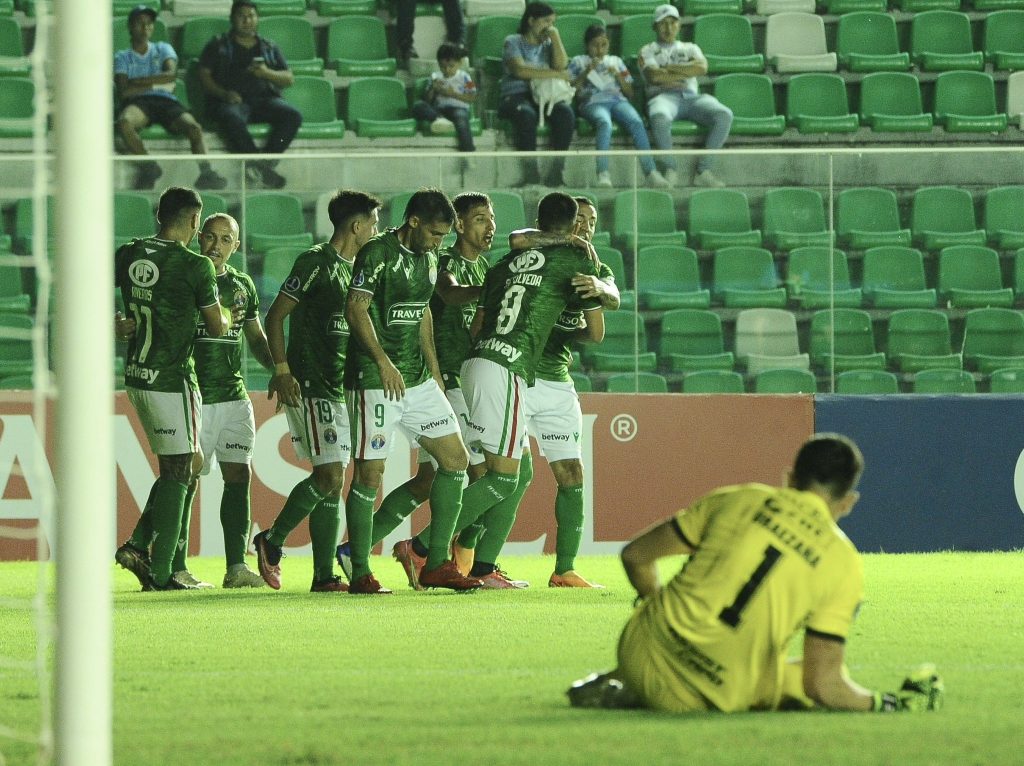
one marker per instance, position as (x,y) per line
(965,102)
(705,7)
(867,42)
(894,278)
(1015,98)
(119,28)
(752,101)
(745,276)
(377,108)
(509,214)
(357,46)
(13,61)
(795,217)
(1003,35)
(133,217)
(23,223)
(1018,272)
(277,265)
(17,107)
(668,277)
(721,217)
(571,27)
(867,382)
(891,102)
(274,219)
(332,8)
(16,344)
(294,36)
(639,383)
(819,277)
(624,347)
(13,297)
(655,219)
(1003,217)
(17,382)
(582,382)
(489,42)
(1009,380)
(919,339)
(634,33)
(817,103)
(785,381)
(869,217)
(628,7)
(940,40)
(570,7)
(713,382)
(314,98)
(795,42)
(846,7)
(970,277)
(727,42)
(993,338)
(692,339)
(766,339)
(843,339)
(612,257)
(942,216)
(196,32)
(269,8)
(917,6)
(944,381)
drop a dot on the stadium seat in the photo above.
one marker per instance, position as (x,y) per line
(766,339)
(819,277)
(993,338)
(944,381)
(965,102)
(785,381)
(17,108)
(24,211)
(942,216)
(655,222)
(795,42)
(919,339)
(869,217)
(15,344)
(622,8)
(844,7)
(817,103)
(17,382)
(1018,272)
(1004,39)
(634,33)
(891,102)
(713,382)
(13,61)
(480,9)
(624,347)
(1015,98)
(708,7)
(752,101)
(571,27)
(894,278)
(668,277)
(843,339)
(13,297)
(377,108)
(509,214)
(691,339)
(794,217)
(573,7)
(1009,380)
(268,8)
(721,217)
(640,383)
(357,46)
(133,217)
(745,276)
(314,98)
(185,8)
(867,382)
(1003,217)
(867,42)
(331,8)
(769,7)
(612,258)
(917,6)
(196,32)
(941,41)
(277,264)
(581,382)
(969,277)
(274,219)
(727,42)
(294,36)
(489,42)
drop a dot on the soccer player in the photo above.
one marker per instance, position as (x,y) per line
(166,288)
(392,380)
(309,382)
(764,562)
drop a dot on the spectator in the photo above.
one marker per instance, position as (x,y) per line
(671,69)
(244,75)
(406,10)
(604,87)
(536,53)
(144,77)
(449,94)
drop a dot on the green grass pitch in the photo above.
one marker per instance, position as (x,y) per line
(293,678)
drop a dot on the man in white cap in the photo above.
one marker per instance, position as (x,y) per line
(670,70)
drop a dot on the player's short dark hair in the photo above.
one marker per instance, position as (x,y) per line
(177,203)
(594,30)
(830,460)
(430,206)
(348,203)
(534,10)
(557,212)
(466,201)
(583,199)
(239,4)
(450,52)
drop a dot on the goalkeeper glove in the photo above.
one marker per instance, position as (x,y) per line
(921,690)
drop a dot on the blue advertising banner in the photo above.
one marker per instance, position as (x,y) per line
(943,472)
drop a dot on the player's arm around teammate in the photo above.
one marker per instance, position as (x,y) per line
(357,314)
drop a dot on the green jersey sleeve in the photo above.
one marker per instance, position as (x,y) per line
(451,323)
(556,357)
(218,361)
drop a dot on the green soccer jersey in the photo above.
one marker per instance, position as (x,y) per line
(524,294)
(400,283)
(557,354)
(451,323)
(317,330)
(218,361)
(163,285)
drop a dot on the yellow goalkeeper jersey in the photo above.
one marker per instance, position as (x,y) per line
(768,561)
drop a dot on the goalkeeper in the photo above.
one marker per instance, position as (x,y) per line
(764,563)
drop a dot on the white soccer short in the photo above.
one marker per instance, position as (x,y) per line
(320,432)
(228,433)
(171,421)
(496,400)
(422,412)
(457,400)
(555,420)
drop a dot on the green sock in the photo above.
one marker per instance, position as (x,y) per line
(445,505)
(483,494)
(398,504)
(181,552)
(324,526)
(359,518)
(303,499)
(569,519)
(470,536)
(142,535)
(235,520)
(497,521)
(168,503)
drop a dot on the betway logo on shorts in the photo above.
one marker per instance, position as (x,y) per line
(507,350)
(405,313)
(336,324)
(434,424)
(236,445)
(531,260)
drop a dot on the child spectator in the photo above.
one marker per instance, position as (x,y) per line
(448,97)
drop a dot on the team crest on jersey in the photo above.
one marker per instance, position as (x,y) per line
(377,441)
(241,296)
(358,279)
(531,260)
(330,436)
(144,273)
(292,284)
